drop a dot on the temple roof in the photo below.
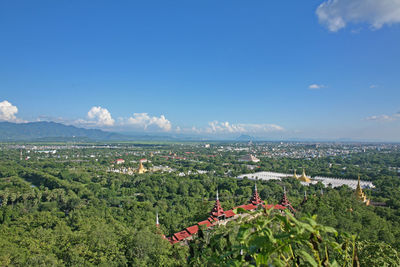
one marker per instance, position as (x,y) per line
(285,201)
(217,209)
(255,199)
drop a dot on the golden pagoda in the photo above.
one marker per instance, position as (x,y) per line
(360,194)
(295,175)
(141,169)
(304,178)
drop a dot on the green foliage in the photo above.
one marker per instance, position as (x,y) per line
(70,209)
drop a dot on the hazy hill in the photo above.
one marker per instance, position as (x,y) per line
(52,131)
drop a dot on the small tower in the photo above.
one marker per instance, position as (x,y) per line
(285,201)
(255,199)
(158,227)
(217,211)
(305,198)
(360,195)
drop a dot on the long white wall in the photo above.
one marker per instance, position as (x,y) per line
(327,181)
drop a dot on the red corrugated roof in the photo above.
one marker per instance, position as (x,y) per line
(205,222)
(229,213)
(279,207)
(182,235)
(247,207)
(193,229)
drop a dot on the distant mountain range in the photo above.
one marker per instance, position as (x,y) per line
(58,132)
(52,131)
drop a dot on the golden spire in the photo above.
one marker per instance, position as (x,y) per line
(295,175)
(304,178)
(141,169)
(360,194)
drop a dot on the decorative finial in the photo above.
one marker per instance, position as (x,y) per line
(322,191)
(157,222)
(305,193)
(255,186)
(284,190)
(217,195)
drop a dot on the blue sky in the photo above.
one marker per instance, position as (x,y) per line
(276,69)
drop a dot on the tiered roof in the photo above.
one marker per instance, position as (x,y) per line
(255,199)
(285,201)
(217,215)
(360,194)
(217,210)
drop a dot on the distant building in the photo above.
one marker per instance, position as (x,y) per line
(249,158)
(305,180)
(120,161)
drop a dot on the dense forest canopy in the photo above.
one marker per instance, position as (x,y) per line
(72,204)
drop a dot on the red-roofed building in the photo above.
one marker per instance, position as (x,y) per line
(205,222)
(285,202)
(255,199)
(217,211)
(229,213)
(120,161)
(219,216)
(192,229)
(181,235)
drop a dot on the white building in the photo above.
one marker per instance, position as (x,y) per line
(327,181)
(249,158)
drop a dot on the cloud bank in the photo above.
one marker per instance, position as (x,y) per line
(226,127)
(143,120)
(336,14)
(384,117)
(315,86)
(8,111)
(100,117)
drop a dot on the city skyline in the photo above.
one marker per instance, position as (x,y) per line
(316,70)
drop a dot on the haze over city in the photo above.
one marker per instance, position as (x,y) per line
(325,70)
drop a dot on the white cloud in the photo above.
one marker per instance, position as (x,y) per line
(100,117)
(315,86)
(384,117)
(226,127)
(143,120)
(8,111)
(336,14)
(372,86)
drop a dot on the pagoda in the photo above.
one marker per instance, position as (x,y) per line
(304,178)
(217,211)
(141,169)
(295,175)
(255,199)
(360,195)
(285,201)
